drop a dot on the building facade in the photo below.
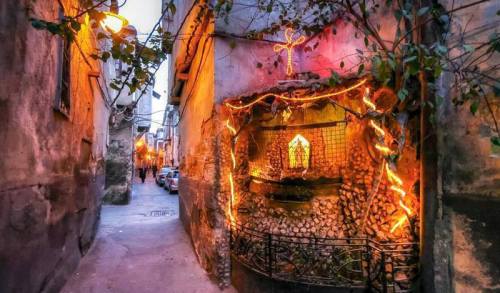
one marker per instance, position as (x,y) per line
(54,111)
(273,156)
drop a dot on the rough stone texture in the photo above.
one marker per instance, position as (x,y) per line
(202,209)
(357,207)
(201,194)
(119,165)
(372,209)
(468,219)
(52,167)
(336,215)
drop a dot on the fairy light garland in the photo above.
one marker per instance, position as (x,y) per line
(288,46)
(306,99)
(232,199)
(392,176)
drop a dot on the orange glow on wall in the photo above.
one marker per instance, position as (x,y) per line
(288,46)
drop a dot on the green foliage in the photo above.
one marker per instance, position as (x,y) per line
(142,59)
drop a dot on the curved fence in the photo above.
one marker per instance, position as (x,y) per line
(346,263)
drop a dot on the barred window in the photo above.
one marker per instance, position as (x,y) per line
(62,101)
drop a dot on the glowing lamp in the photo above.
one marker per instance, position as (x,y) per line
(298,152)
(113,23)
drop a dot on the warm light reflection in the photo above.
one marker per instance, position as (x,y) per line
(255,172)
(113,22)
(288,46)
(298,152)
(306,99)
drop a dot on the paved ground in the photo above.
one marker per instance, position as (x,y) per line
(138,249)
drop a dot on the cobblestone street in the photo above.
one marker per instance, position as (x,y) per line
(141,247)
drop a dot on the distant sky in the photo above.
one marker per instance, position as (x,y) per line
(143,15)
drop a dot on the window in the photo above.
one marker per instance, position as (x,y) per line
(62,101)
(298,152)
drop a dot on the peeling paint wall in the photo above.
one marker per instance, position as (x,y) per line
(52,172)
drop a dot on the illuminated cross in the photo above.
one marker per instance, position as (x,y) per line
(290,44)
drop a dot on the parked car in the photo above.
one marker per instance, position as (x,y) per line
(172,181)
(160,176)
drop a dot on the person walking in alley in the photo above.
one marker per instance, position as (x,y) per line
(142,174)
(154,169)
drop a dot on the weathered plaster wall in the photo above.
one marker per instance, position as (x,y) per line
(51,168)
(470,163)
(119,165)
(466,233)
(248,66)
(199,152)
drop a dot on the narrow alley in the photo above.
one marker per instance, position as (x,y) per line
(141,247)
(251,146)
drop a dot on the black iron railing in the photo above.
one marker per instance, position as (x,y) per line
(347,263)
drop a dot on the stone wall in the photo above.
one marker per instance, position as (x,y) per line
(200,189)
(350,209)
(52,168)
(119,165)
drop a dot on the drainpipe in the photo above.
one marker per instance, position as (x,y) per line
(428,190)
(428,152)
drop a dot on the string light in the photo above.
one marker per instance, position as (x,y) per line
(398,223)
(306,99)
(290,44)
(233,131)
(392,176)
(383,149)
(397,182)
(233,158)
(377,128)
(367,101)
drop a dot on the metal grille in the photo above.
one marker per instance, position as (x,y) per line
(160,213)
(336,262)
(270,158)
